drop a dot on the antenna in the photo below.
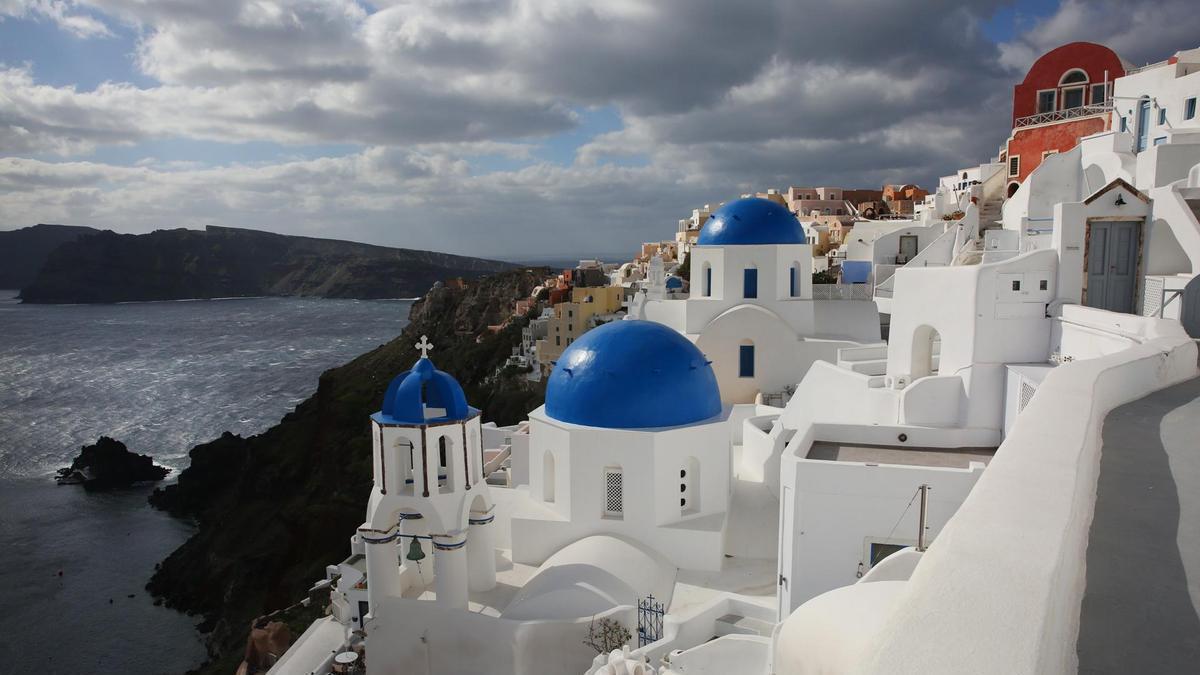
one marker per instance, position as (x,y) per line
(921,544)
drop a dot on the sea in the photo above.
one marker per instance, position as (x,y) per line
(161,377)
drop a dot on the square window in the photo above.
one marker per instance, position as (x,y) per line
(1189,108)
(1099,94)
(1073,98)
(1046,100)
(1016,285)
(1014,165)
(1043,285)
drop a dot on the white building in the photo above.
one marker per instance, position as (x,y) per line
(751,309)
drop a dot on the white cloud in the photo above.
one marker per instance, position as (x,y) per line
(65,13)
(714,97)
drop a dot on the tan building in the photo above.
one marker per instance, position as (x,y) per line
(574,318)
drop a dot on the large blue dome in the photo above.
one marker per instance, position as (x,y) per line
(751,220)
(423,395)
(632,375)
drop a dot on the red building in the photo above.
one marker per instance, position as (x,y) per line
(1065,96)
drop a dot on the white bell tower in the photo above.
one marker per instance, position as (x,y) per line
(430,496)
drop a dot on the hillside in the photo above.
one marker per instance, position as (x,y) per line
(24,251)
(275,508)
(224,262)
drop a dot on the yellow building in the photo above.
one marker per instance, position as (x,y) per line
(574,318)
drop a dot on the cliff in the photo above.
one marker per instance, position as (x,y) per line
(24,251)
(222,262)
(275,508)
(108,464)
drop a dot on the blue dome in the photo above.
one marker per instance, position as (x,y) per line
(674,282)
(632,375)
(412,391)
(751,220)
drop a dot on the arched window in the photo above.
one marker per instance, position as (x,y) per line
(445,475)
(548,477)
(794,280)
(408,471)
(1073,76)
(746,359)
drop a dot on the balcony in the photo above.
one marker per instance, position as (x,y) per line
(1063,115)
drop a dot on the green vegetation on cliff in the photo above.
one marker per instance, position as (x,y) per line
(275,508)
(222,262)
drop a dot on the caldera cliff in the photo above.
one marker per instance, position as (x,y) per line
(222,262)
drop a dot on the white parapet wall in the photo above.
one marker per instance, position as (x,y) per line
(1000,592)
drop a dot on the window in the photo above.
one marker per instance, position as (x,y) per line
(793,282)
(879,551)
(1160,140)
(1016,284)
(570,327)
(1014,165)
(746,361)
(1046,100)
(1099,94)
(1124,124)
(570,314)
(1189,108)
(557,341)
(1072,98)
(707,280)
(614,492)
(1043,285)
(750,283)
(1162,116)
(1073,76)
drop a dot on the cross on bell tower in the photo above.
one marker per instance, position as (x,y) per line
(425,346)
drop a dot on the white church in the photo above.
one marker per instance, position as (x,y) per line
(925,505)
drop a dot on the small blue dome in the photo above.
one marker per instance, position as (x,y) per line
(674,282)
(412,391)
(632,375)
(751,220)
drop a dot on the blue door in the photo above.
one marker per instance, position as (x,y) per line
(750,283)
(746,361)
(1143,124)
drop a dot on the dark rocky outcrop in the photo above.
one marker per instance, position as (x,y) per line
(222,262)
(275,508)
(24,251)
(108,464)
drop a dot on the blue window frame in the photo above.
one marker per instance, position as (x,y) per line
(792,290)
(1189,108)
(1162,116)
(746,361)
(750,283)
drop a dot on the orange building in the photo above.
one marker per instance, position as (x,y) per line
(1065,96)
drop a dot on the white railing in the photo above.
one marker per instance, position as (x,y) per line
(841,292)
(1061,115)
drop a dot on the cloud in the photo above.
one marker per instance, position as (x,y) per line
(64,13)
(713,98)
(1140,31)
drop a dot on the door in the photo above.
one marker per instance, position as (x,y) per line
(908,247)
(1112,265)
(1143,124)
(785,554)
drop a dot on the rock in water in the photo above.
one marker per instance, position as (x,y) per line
(109,464)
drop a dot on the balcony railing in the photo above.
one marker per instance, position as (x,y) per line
(1063,115)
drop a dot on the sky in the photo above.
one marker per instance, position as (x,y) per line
(516,129)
